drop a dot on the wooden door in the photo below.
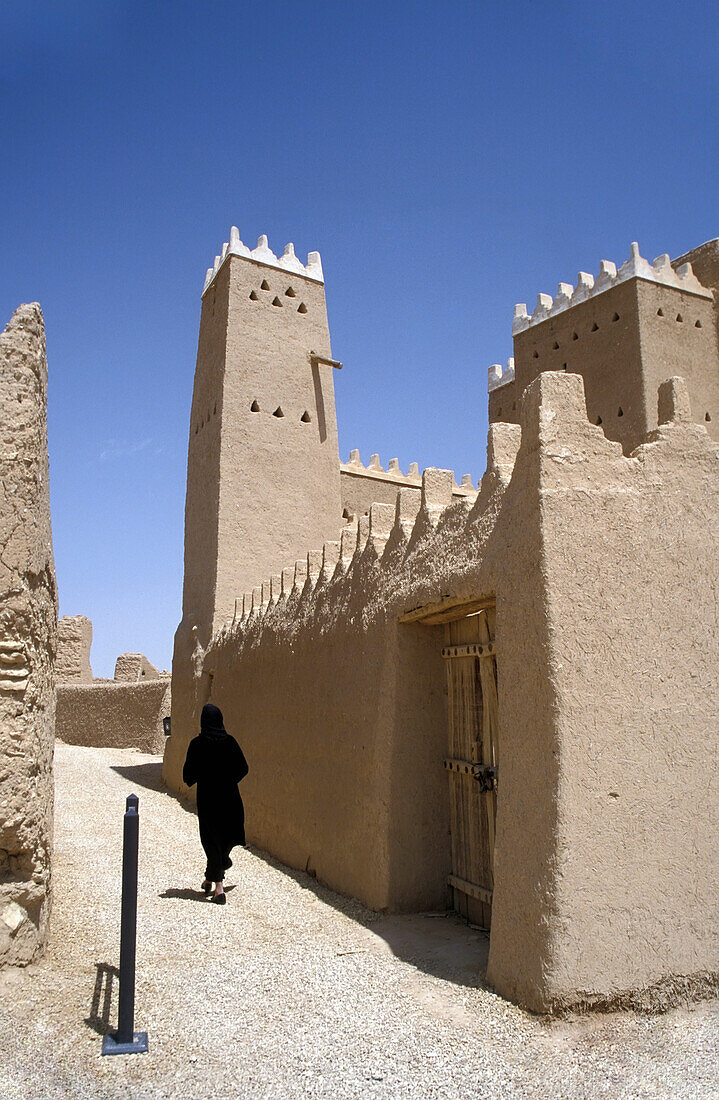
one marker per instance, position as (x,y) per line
(471,763)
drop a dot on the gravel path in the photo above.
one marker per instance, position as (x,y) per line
(289,990)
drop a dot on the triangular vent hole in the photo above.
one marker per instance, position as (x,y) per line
(278,411)
(254,407)
(289,293)
(595,327)
(599,420)
(305,418)
(697,324)
(264,285)
(254,296)
(302,308)
(575,336)
(555,345)
(660,312)
(679,317)
(276,302)
(615,317)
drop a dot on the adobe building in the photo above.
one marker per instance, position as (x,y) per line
(28,642)
(500,701)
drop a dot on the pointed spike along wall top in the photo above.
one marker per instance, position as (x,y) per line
(661,271)
(288,261)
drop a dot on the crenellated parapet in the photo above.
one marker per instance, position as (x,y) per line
(497,377)
(263,254)
(354,467)
(660,272)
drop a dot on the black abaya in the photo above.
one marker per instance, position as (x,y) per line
(216,763)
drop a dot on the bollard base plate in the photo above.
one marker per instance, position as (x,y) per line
(110,1044)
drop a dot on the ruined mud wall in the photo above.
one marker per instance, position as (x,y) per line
(28,642)
(134,667)
(114,715)
(74,639)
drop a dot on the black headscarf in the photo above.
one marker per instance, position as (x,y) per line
(211,719)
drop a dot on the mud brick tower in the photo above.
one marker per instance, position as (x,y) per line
(263,469)
(625,332)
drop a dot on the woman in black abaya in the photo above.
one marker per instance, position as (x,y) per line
(216,763)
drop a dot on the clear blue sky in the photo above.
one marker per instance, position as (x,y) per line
(447,159)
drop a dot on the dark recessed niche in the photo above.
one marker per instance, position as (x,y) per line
(620,411)
(575,336)
(289,293)
(302,308)
(276,302)
(278,411)
(535,355)
(598,421)
(214,411)
(254,407)
(615,317)
(555,346)
(679,317)
(345,513)
(254,296)
(707,417)
(697,324)
(264,285)
(660,312)
(305,418)
(595,327)
(564,366)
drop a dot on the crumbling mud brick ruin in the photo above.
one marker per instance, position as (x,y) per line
(125,712)
(28,641)
(504,699)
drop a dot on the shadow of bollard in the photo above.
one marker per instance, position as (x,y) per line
(99,1018)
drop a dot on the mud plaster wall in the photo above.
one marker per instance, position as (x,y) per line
(604,863)
(114,715)
(74,640)
(350,781)
(28,642)
(360,492)
(629,552)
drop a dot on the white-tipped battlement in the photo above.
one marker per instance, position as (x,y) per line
(263,254)
(497,377)
(355,467)
(636,267)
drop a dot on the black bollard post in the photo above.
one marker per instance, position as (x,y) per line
(126,1040)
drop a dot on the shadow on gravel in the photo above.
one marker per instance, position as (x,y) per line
(185,894)
(145,775)
(440,944)
(99,1018)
